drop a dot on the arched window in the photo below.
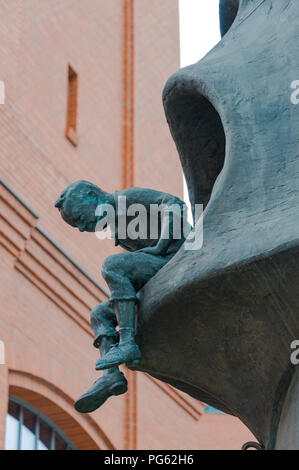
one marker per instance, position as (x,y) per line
(29,429)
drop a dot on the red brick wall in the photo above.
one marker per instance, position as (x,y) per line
(45,298)
(37,160)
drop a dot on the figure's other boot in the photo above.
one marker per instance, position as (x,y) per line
(112,382)
(127,350)
(128,353)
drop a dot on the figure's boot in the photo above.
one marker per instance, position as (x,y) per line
(112,382)
(127,350)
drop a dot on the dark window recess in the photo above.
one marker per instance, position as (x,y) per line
(72,107)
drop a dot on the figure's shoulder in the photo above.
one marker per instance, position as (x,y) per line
(148,196)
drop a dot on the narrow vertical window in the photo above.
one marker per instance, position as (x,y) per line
(72,105)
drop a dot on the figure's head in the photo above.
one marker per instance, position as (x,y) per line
(77,205)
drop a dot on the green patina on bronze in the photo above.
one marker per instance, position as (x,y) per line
(124,273)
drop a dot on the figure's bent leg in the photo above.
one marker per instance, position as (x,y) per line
(126,315)
(125,275)
(103,321)
(112,382)
(127,350)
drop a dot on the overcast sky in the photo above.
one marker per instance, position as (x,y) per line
(199,28)
(199,32)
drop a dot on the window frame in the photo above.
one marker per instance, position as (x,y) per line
(39,416)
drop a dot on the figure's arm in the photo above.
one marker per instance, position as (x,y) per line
(165,239)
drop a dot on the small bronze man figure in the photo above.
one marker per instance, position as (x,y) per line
(125,273)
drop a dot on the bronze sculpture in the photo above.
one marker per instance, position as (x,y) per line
(80,205)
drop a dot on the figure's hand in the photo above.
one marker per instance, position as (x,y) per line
(166,237)
(151,250)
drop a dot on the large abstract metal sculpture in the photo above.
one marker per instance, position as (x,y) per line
(218,323)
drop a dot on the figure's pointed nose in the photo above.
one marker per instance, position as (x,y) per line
(58,203)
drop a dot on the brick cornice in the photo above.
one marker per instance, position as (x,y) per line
(17,221)
(194,408)
(44,263)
